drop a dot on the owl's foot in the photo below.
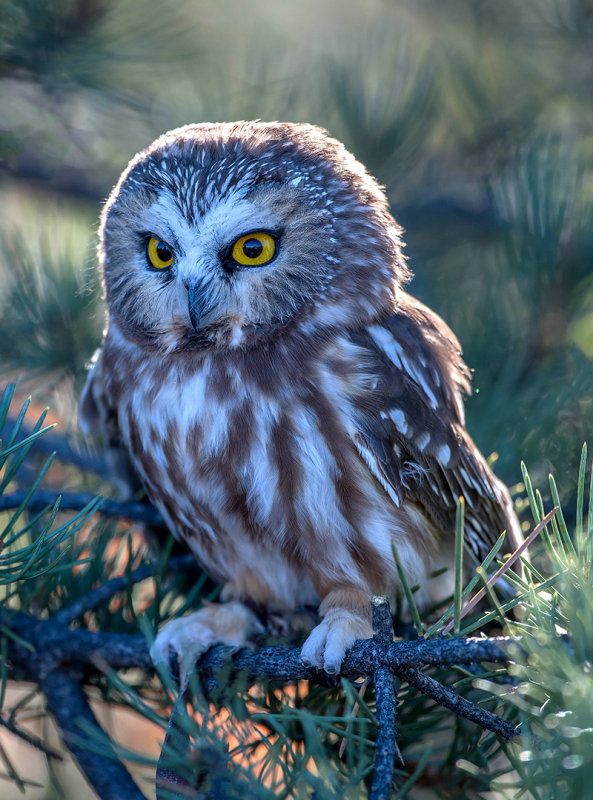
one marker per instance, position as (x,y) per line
(327,643)
(188,637)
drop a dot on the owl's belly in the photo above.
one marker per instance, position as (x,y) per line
(215,493)
(264,488)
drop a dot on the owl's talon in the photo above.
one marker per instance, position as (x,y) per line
(189,637)
(336,633)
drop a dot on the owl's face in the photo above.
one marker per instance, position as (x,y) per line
(218,233)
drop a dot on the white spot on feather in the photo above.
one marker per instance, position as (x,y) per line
(385,341)
(371,463)
(422,441)
(394,351)
(399,420)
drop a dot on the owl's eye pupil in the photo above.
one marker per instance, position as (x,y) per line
(253,248)
(163,252)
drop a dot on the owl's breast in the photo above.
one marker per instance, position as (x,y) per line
(245,469)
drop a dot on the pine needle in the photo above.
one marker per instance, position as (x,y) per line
(505,567)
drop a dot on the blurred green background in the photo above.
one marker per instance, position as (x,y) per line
(476,115)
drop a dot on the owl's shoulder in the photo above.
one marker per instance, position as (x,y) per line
(411,428)
(417,362)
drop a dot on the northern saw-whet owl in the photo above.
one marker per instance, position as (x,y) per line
(289,408)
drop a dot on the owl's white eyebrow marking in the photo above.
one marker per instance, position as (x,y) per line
(232,216)
(164,219)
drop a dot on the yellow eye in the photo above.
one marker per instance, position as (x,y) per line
(158,253)
(254,249)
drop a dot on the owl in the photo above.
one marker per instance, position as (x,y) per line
(290,409)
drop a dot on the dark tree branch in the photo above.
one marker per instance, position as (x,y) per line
(280,663)
(74,501)
(57,645)
(62,657)
(68,704)
(66,700)
(448,698)
(386,706)
(386,745)
(446,652)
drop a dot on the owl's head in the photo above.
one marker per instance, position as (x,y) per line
(218,233)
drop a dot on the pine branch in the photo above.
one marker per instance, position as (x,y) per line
(60,654)
(448,698)
(68,704)
(75,501)
(62,645)
(60,444)
(386,706)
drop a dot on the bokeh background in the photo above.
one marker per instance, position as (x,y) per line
(476,115)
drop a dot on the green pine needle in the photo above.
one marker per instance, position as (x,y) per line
(458,592)
(408,592)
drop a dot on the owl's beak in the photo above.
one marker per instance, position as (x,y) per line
(196,304)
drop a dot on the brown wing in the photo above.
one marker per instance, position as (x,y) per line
(412,431)
(98,417)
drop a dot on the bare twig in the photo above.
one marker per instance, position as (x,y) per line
(169,783)
(446,697)
(188,769)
